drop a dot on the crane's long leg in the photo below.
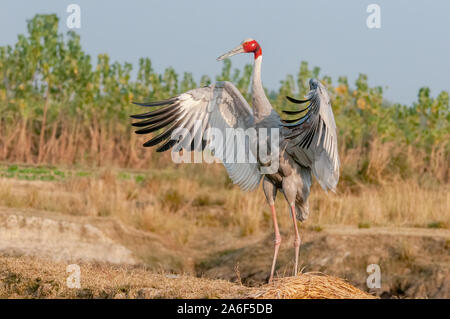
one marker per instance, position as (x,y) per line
(277,241)
(270,190)
(296,240)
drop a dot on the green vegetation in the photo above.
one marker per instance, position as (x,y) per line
(363,225)
(33,173)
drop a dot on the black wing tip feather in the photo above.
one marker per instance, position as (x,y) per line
(166,146)
(155,118)
(157,125)
(291,99)
(156,103)
(166,109)
(294,112)
(158,119)
(304,117)
(296,122)
(291,121)
(296,102)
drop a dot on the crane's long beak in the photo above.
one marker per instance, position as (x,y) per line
(236,50)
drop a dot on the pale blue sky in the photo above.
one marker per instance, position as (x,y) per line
(412,48)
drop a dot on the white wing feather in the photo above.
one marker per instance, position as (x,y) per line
(220,106)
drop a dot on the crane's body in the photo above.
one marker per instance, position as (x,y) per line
(307,145)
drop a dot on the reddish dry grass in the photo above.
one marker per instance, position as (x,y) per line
(70,142)
(309,286)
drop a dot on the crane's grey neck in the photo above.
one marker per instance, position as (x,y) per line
(261,105)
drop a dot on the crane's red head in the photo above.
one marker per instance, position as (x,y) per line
(247,46)
(251,45)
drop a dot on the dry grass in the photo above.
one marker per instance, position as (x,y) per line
(180,207)
(27,277)
(381,184)
(309,286)
(386,162)
(401,203)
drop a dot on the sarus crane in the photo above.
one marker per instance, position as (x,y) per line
(307,145)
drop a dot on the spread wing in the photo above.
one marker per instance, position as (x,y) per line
(312,139)
(187,120)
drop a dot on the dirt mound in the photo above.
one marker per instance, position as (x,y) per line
(64,237)
(58,240)
(309,286)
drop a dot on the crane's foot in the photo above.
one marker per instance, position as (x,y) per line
(275,255)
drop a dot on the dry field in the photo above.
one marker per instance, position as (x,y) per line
(178,222)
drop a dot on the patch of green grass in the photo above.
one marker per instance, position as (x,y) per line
(363,225)
(437,224)
(139,178)
(123,175)
(12,168)
(34,170)
(27,177)
(316,228)
(83,174)
(59,173)
(30,173)
(50,173)
(47,178)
